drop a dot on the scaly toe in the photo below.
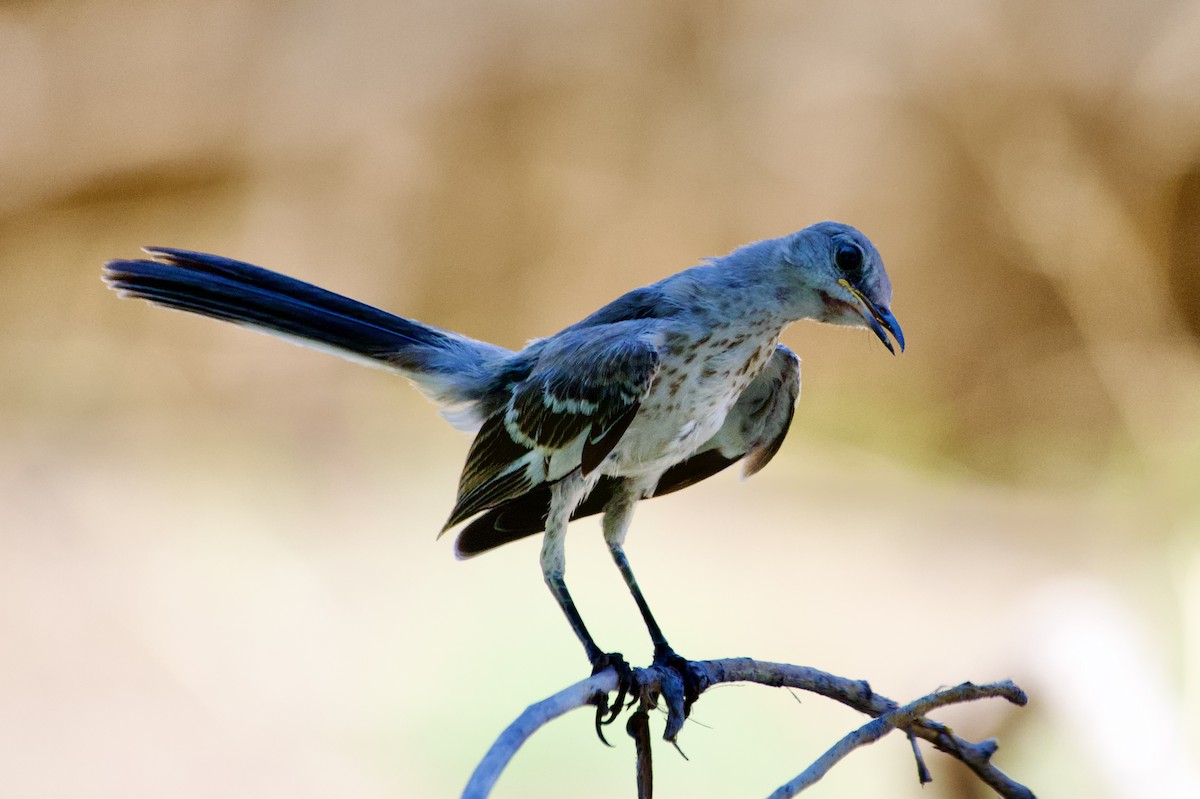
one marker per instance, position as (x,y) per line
(625,686)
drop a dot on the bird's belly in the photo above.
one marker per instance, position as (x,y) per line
(660,437)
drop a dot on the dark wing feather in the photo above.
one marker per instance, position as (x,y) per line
(568,413)
(525,516)
(596,448)
(754,429)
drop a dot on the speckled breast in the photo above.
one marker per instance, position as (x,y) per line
(701,377)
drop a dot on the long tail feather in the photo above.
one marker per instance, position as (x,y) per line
(451,368)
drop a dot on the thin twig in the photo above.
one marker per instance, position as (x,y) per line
(873,730)
(535,716)
(639,730)
(923,775)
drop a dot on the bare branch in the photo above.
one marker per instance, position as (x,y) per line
(900,718)
(857,694)
(535,716)
(639,730)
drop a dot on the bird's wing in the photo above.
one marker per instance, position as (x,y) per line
(568,413)
(754,429)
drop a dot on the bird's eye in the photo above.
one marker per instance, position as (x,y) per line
(849,259)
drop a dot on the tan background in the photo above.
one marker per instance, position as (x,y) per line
(218,572)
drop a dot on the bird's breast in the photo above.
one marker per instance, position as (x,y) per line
(699,379)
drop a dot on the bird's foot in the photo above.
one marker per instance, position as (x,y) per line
(626,685)
(681,687)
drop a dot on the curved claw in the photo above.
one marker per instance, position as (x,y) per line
(681,695)
(626,683)
(692,685)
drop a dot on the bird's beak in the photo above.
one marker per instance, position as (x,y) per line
(878,318)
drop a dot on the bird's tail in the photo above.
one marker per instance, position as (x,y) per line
(452,369)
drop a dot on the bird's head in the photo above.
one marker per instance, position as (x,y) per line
(845,271)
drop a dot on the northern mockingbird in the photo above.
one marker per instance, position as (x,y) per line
(659,389)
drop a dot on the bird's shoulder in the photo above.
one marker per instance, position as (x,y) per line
(584,378)
(653,302)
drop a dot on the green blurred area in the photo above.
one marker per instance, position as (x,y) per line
(218,572)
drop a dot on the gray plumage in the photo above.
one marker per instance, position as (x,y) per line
(655,391)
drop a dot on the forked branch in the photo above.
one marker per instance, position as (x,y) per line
(887,715)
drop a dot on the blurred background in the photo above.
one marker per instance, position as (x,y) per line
(218,565)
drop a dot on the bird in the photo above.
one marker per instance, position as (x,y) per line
(659,389)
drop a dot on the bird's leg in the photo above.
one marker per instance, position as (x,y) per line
(567,493)
(618,513)
(617,516)
(679,702)
(661,647)
(558,587)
